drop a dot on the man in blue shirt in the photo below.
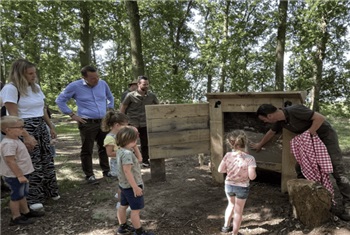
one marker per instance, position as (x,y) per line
(93,97)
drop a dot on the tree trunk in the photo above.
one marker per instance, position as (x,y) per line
(85,36)
(2,65)
(210,78)
(281,41)
(224,52)
(138,67)
(318,67)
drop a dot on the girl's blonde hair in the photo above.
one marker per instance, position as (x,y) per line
(111,118)
(10,121)
(126,135)
(237,139)
(17,76)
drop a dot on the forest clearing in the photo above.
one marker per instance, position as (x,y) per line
(189,202)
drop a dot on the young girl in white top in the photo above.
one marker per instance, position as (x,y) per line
(240,169)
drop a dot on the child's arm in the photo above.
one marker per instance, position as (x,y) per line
(12,164)
(129,176)
(137,153)
(110,151)
(251,172)
(222,167)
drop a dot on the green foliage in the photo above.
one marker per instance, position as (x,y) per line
(65,127)
(338,109)
(189,47)
(338,114)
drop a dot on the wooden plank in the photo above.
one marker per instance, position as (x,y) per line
(246,105)
(176,110)
(177,124)
(179,150)
(158,170)
(271,166)
(300,95)
(288,161)
(216,139)
(180,137)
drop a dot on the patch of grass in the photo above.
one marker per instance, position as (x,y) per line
(100,216)
(101,196)
(5,202)
(67,128)
(342,126)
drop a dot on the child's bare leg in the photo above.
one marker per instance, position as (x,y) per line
(135,219)
(237,216)
(121,212)
(15,209)
(23,206)
(229,211)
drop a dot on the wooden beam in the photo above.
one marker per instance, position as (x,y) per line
(288,161)
(216,139)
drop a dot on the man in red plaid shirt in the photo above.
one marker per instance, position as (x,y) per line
(298,119)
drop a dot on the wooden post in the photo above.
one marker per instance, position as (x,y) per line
(288,161)
(216,138)
(158,170)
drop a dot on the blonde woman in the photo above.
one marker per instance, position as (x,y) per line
(23,97)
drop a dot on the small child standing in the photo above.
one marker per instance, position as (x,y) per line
(113,122)
(130,181)
(240,168)
(16,165)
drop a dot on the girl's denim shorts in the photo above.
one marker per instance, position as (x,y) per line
(237,191)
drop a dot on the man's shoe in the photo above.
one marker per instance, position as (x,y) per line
(36,206)
(125,229)
(32,214)
(146,164)
(226,229)
(21,220)
(91,180)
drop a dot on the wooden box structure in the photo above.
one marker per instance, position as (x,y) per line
(182,130)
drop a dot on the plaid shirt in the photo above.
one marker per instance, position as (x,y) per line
(313,158)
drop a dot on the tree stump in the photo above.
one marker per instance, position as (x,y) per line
(311,202)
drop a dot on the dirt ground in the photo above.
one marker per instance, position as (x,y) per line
(189,202)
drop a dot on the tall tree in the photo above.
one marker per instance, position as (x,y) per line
(85,34)
(281,41)
(138,67)
(319,42)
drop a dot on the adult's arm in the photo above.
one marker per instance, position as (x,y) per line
(123,107)
(317,120)
(49,124)
(110,98)
(267,137)
(63,98)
